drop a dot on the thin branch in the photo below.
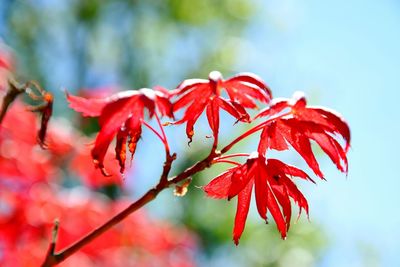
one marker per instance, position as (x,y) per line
(14,89)
(251,131)
(64,254)
(227,161)
(154,131)
(234,155)
(45,109)
(52,246)
(166,169)
(55,258)
(197,167)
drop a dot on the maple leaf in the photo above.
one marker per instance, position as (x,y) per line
(301,124)
(199,95)
(121,115)
(273,186)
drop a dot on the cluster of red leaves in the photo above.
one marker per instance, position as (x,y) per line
(26,220)
(121,115)
(290,122)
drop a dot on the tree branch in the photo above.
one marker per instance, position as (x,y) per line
(52,245)
(64,254)
(53,259)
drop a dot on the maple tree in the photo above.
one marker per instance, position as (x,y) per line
(286,123)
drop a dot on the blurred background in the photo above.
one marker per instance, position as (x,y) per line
(343,54)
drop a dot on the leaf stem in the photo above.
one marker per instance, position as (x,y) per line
(251,131)
(226,161)
(163,133)
(154,131)
(234,155)
(64,254)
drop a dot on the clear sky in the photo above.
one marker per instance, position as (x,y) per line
(345,55)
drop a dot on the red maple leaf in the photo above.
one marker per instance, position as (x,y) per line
(273,188)
(301,124)
(199,95)
(121,115)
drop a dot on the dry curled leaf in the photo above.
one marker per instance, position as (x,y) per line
(181,190)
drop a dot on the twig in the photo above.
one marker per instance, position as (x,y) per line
(45,109)
(13,91)
(52,245)
(252,131)
(55,258)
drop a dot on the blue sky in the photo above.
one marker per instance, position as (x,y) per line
(344,55)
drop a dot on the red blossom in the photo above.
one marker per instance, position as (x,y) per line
(273,186)
(121,115)
(199,95)
(301,124)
